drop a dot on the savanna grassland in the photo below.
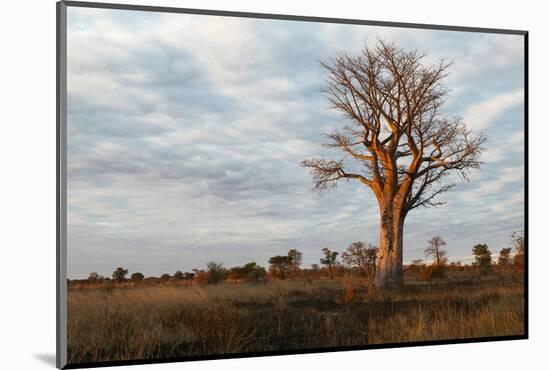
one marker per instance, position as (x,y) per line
(166,319)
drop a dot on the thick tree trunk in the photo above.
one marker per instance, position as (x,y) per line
(389,262)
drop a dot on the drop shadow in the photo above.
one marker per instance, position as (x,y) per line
(47,358)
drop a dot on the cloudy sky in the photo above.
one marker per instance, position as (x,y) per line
(185,134)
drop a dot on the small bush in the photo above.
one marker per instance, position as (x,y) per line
(351,286)
(109,287)
(188,276)
(119,275)
(136,277)
(94,277)
(215,273)
(428,273)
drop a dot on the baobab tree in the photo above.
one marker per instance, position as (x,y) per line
(435,249)
(398,142)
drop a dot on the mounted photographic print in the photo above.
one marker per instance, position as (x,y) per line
(237,184)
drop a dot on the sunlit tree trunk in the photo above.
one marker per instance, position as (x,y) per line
(389,262)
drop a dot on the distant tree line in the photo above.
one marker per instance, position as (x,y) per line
(359,259)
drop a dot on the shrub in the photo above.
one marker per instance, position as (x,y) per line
(428,273)
(249,272)
(215,273)
(295,260)
(518,241)
(329,259)
(504,259)
(416,266)
(351,286)
(137,276)
(188,276)
(482,256)
(279,266)
(200,276)
(257,274)
(94,277)
(119,275)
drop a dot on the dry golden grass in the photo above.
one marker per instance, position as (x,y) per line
(164,321)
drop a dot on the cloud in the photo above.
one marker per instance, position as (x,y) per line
(506,176)
(484,114)
(186,133)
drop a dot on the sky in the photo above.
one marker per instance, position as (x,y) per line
(186,133)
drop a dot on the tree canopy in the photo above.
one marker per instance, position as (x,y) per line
(397,132)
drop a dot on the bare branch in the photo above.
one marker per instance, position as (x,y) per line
(344,142)
(326,173)
(397,133)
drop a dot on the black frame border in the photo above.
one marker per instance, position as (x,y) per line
(61,184)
